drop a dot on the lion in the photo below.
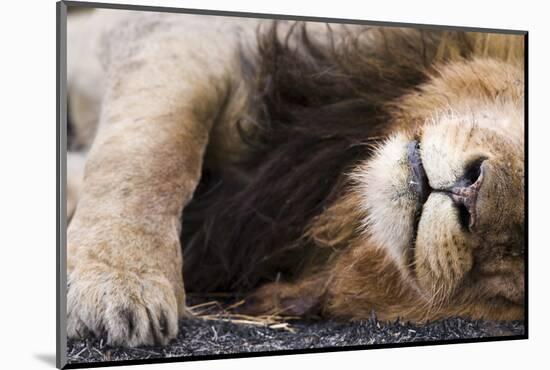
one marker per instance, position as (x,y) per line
(323,170)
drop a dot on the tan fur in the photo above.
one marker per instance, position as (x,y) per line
(162,96)
(171,84)
(75,173)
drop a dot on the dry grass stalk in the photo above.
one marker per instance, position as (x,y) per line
(273,321)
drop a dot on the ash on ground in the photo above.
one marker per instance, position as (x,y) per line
(200,337)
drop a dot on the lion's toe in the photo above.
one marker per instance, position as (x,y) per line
(128,312)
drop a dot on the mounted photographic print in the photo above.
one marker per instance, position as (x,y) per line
(237,184)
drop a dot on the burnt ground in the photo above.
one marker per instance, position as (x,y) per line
(218,332)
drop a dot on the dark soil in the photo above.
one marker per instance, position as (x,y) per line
(198,337)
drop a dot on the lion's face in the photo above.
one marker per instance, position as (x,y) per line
(446,200)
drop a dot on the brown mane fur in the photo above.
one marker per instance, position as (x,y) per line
(323,106)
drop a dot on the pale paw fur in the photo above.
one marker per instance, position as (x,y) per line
(129,308)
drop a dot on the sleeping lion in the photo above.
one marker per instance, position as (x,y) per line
(322,170)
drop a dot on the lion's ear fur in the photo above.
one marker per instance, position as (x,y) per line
(302,298)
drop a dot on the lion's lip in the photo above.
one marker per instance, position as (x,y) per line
(419,183)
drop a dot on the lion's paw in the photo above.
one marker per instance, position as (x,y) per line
(129,308)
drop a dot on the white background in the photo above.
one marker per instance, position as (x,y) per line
(27,186)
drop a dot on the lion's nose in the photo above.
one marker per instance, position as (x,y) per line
(466,191)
